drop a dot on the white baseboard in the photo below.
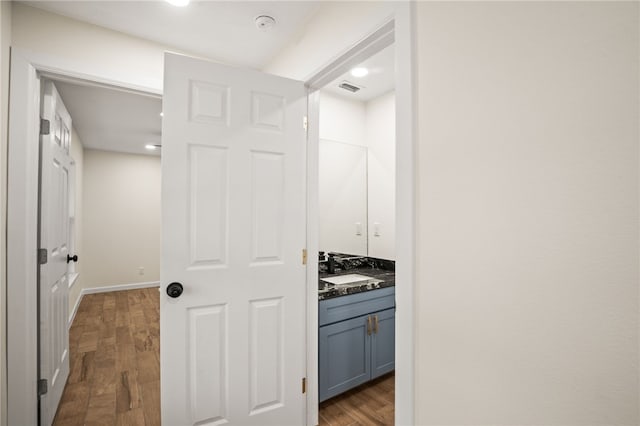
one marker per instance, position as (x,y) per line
(120,287)
(107,289)
(75,310)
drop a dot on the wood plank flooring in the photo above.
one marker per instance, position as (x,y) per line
(369,404)
(114,345)
(114,377)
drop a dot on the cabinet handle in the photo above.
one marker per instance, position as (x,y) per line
(369,326)
(375,324)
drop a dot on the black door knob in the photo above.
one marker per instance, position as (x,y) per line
(73,258)
(174,290)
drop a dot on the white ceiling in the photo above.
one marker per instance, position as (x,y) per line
(380,80)
(221,30)
(113,120)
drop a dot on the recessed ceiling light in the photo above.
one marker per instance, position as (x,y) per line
(162,114)
(179,3)
(151,147)
(359,72)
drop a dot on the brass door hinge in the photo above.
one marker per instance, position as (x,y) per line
(304,256)
(304,385)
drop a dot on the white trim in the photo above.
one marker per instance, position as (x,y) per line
(401,29)
(22,214)
(22,238)
(73,278)
(365,48)
(406,224)
(313,139)
(107,289)
(72,316)
(83,71)
(119,287)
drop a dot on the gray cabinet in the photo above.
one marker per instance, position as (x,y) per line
(345,356)
(356,340)
(383,353)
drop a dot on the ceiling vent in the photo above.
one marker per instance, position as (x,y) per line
(349,86)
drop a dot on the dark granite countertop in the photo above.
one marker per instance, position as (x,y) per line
(381,271)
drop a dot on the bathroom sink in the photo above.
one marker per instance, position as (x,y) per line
(347,279)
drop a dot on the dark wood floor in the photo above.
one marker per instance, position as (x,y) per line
(114,377)
(369,404)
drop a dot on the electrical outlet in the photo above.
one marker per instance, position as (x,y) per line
(141,270)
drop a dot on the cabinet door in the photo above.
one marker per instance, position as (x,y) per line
(345,356)
(383,342)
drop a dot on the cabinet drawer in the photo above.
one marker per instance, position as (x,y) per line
(354,305)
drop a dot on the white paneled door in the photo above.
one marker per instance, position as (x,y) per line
(55,185)
(233,228)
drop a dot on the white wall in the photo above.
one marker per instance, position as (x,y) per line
(89,48)
(5,43)
(528,213)
(381,142)
(77,153)
(121,218)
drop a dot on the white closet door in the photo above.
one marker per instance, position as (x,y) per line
(55,187)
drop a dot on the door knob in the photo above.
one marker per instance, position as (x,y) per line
(174,290)
(73,258)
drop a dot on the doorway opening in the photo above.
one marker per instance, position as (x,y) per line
(356,218)
(98,332)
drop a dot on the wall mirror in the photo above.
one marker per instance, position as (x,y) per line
(342,200)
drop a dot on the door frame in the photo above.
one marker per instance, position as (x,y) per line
(398,29)
(22,217)
(22,214)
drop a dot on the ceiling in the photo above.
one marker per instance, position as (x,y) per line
(220,30)
(380,80)
(113,120)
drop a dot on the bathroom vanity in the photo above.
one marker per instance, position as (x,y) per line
(357,328)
